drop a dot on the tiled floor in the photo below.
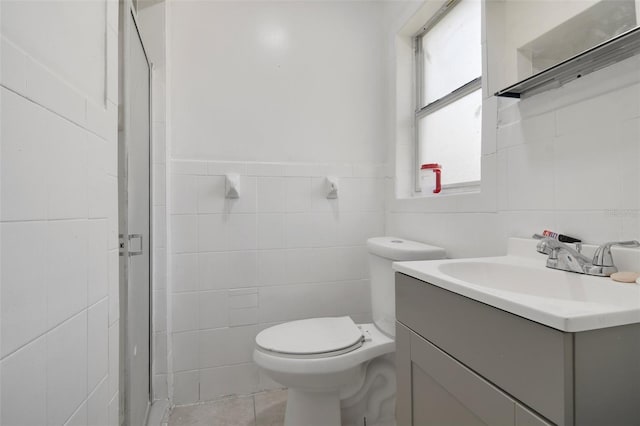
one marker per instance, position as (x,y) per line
(261,409)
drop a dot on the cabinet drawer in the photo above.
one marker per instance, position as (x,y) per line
(446,392)
(527,360)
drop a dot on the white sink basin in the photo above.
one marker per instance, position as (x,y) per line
(520,283)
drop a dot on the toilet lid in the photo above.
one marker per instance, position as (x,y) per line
(315,336)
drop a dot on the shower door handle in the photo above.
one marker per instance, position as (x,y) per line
(140,250)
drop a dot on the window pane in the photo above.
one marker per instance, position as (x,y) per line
(452,51)
(451,137)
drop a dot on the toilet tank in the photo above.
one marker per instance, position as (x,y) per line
(383,251)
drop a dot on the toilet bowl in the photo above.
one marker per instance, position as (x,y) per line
(324,360)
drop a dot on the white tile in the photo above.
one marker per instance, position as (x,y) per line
(159,143)
(628,157)
(351,263)
(98,260)
(23,290)
(211,194)
(184,194)
(227,232)
(79,418)
(531,130)
(224,270)
(159,280)
(159,184)
(112,218)
(271,230)
(186,354)
(114,410)
(184,167)
(232,380)
(98,405)
(271,195)
(354,229)
(184,233)
(23,386)
(98,345)
(299,229)
(266,169)
(244,316)
(111,80)
(185,311)
(97,180)
(213,309)
(226,346)
(24,140)
(184,269)
(67,172)
(102,119)
(160,317)
(243,298)
(221,168)
(603,110)
(160,387)
(531,176)
(114,354)
(12,63)
(272,267)
(323,229)
(298,194)
(160,353)
(66,269)
(45,88)
(66,368)
(159,226)
(186,387)
(595,171)
(113,275)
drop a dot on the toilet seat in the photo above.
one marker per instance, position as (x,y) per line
(311,338)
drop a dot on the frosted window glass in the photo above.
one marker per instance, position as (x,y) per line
(456,147)
(452,51)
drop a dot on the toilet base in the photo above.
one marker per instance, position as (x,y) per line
(312,408)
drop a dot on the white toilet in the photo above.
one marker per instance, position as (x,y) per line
(325,360)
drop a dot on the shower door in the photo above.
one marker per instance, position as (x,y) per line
(135,222)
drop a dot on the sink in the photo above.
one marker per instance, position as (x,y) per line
(505,276)
(521,284)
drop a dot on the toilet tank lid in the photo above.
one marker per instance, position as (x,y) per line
(402,249)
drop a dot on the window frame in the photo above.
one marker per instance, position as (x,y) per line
(422,111)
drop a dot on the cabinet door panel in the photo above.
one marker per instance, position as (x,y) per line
(524,417)
(446,392)
(433,405)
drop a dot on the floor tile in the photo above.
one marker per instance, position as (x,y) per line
(236,411)
(270,407)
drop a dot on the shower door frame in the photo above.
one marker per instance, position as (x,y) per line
(128,24)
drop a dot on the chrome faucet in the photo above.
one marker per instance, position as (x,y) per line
(565,258)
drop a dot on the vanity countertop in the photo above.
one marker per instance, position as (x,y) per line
(520,283)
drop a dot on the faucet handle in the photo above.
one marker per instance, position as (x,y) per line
(603,257)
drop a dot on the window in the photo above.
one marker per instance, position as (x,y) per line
(448,114)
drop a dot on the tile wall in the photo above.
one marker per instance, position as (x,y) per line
(280,252)
(59,259)
(566,160)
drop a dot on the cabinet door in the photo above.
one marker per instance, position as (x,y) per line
(435,389)
(524,417)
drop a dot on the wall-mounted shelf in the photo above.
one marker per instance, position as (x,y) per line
(607,53)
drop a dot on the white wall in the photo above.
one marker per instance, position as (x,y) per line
(565,160)
(283,93)
(59,259)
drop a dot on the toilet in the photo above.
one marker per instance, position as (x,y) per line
(323,361)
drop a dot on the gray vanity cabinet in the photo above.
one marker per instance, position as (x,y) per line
(464,363)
